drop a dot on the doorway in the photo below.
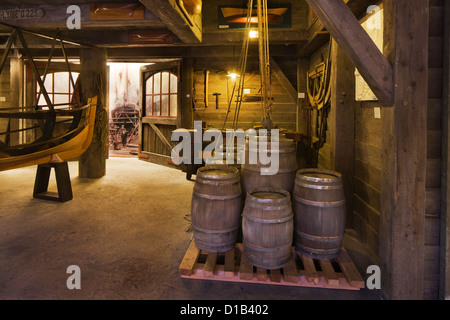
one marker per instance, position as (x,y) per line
(160,113)
(124,108)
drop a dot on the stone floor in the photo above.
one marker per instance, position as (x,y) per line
(128,233)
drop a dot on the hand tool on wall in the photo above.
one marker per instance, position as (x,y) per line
(217,99)
(206,88)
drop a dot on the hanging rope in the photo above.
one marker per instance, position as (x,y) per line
(239,87)
(264,67)
(264,64)
(318,83)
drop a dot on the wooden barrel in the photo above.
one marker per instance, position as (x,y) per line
(319,210)
(267,227)
(216,208)
(284,178)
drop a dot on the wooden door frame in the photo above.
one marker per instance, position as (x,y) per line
(152,122)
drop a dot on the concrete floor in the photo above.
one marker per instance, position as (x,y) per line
(127,233)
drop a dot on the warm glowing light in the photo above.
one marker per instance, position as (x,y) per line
(253,34)
(232,76)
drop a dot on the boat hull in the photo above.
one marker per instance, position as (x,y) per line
(70,149)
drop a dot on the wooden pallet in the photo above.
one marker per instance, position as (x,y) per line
(339,273)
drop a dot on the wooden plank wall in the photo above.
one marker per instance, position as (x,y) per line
(367,174)
(444,264)
(284,109)
(4,95)
(434,129)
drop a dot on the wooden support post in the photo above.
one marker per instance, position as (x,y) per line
(341,122)
(92,164)
(302,122)
(187,84)
(404,152)
(444,287)
(16,81)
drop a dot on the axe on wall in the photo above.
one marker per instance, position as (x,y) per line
(206,88)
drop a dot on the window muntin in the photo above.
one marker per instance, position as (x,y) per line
(161,95)
(58,86)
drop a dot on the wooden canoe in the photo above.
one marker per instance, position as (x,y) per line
(72,148)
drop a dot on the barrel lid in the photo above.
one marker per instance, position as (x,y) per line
(318,175)
(218,171)
(269,193)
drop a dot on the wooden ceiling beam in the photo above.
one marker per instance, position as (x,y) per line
(119,38)
(343,26)
(55,16)
(165,52)
(276,36)
(171,15)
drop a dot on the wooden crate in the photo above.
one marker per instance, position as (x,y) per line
(339,273)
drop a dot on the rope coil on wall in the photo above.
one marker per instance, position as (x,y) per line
(319,92)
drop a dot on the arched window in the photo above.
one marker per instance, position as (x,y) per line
(161,99)
(58,86)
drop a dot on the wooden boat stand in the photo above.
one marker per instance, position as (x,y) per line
(62,181)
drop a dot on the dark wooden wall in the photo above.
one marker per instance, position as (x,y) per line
(367,186)
(4,93)
(12,92)
(434,140)
(444,264)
